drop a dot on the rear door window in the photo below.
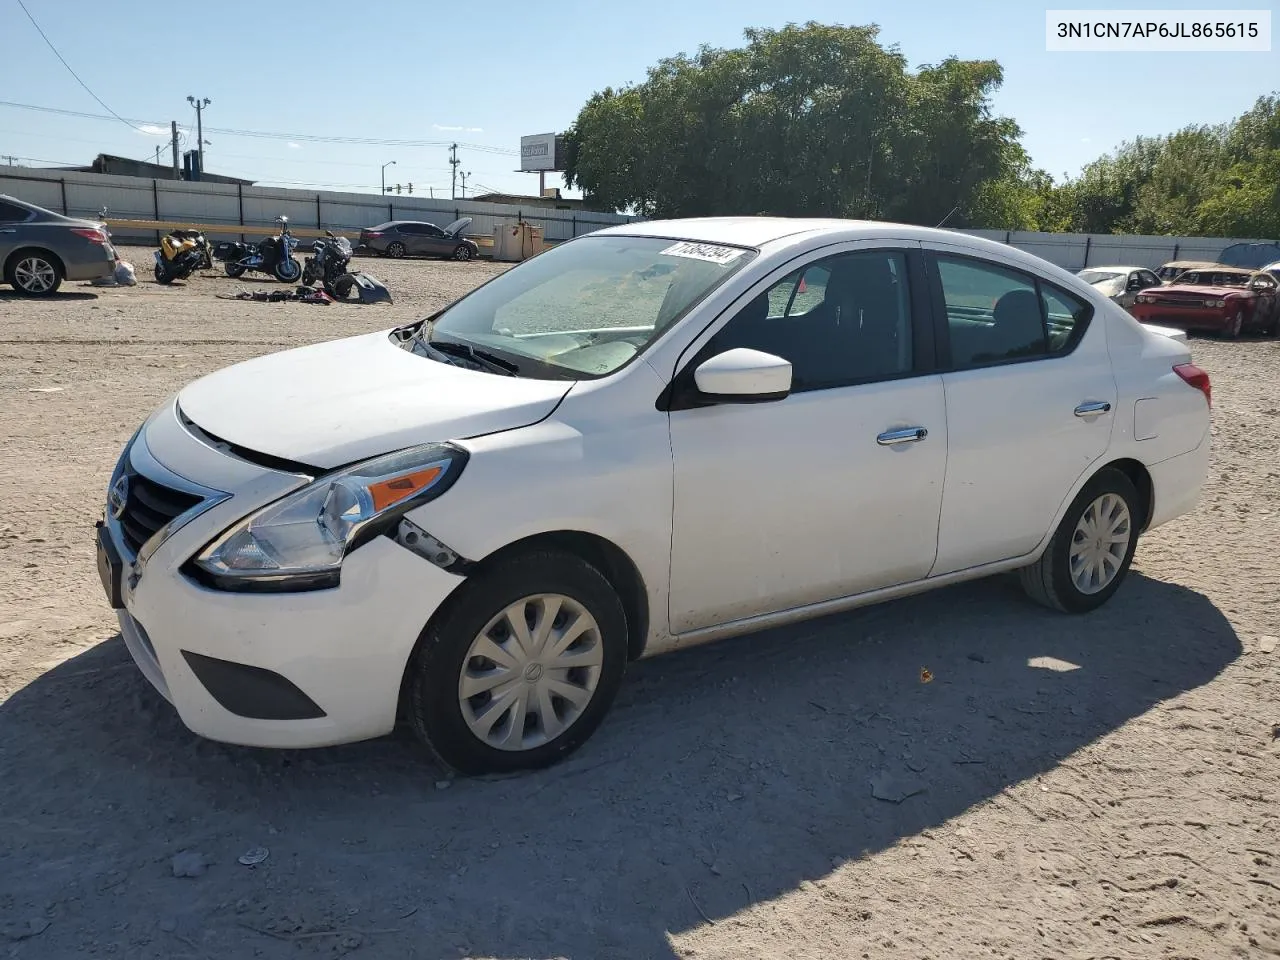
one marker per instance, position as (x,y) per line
(12,213)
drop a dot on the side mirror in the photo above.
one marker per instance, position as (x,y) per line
(742,375)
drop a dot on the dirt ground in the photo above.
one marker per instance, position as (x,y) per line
(1101,786)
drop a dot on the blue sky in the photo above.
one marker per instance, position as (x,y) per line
(484,73)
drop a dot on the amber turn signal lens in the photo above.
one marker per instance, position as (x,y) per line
(385,493)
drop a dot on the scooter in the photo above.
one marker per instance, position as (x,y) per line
(177,258)
(273,255)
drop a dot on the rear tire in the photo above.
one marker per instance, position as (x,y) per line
(1060,579)
(234,270)
(395,249)
(34,273)
(531,691)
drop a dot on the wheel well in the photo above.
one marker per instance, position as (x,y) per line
(17,254)
(1141,479)
(605,556)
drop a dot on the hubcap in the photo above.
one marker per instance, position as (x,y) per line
(1100,543)
(531,672)
(34,275)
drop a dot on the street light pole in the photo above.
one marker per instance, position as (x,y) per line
(389,163)
(200,105)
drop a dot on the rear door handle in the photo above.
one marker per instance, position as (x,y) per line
(902,435)
(8,231)
(1093,408)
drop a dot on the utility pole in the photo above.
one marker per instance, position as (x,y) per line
(453,162)
(464,176)
(173,133)
(158,156)
(10,158)
(199,105)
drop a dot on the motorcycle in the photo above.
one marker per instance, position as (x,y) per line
(202,244)
(177,258)
(273,255)
(330,266)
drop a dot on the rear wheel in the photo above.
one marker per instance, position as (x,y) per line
(395,249)
(1090,553)
(34,273)
(462,252)
(234,269)
(522,669)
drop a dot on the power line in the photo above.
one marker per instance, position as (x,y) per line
(268,135)
(68,66)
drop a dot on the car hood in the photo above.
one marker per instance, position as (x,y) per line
(338,402)
(1217,293)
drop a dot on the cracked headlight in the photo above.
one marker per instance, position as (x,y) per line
(298,542)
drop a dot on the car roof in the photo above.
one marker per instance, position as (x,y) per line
(1190,263)
(758,231)
(1114,267)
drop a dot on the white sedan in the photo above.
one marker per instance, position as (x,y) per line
(657,435)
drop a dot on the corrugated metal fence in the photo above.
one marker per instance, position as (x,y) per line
(255,208)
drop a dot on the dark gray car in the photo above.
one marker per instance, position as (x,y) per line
(414,238)
(39,248)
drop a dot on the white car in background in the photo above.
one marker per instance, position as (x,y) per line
(656,435)
(1121,284)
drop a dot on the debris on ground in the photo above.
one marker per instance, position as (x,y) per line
(190,863)
(254,856)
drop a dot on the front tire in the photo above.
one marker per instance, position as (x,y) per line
(462,252)
(1235,327)
(521,668)
(162,276)
(34,274)
(1092,549)
(287,270)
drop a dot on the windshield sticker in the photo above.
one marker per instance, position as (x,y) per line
(711,252)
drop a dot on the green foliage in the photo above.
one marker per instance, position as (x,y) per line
(813,120)
(819,120)
(1200,181)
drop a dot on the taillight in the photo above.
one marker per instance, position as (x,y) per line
(91,234)
(1197,378)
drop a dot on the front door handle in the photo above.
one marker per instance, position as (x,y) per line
(902,435)
(8,231)
(1093,408)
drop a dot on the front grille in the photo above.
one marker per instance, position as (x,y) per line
(148,507)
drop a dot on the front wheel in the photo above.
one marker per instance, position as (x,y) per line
(1092,549)
(287,270)
(162,275)
(522,667)
(1236,326)
(462,252)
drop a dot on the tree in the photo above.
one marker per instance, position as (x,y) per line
(806,120)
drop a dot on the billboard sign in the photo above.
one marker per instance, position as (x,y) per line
(538,152)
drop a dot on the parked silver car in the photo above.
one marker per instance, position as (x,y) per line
(39,248)
(1121,284)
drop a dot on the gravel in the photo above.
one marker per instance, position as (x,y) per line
(1102,785)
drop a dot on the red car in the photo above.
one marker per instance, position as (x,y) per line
(1224,300)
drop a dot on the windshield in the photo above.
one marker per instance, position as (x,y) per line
(1098,276)
(1202,278)
(585,308)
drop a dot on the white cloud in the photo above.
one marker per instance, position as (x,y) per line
(1086,140)
(151,130)
(294,146)
(456,129)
